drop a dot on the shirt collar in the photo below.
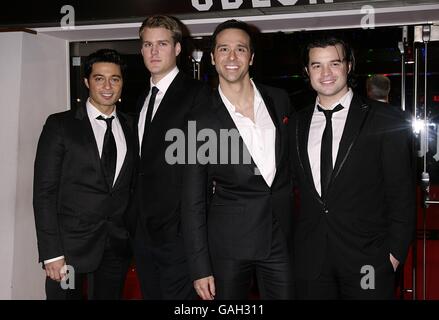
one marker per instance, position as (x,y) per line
(345,101)
(166,81)
(257,99)
(93,112)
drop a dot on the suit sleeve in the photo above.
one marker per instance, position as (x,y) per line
(399,185)
(194,219)
(47,174)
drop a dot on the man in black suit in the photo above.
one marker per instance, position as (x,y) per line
(244,227)
(352,163)
(82,185)
(170,95)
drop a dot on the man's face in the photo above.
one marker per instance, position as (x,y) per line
(328,72)
(159,52)
(105,85)
(232,56)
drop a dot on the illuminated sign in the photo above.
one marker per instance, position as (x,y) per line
(40,13)
(205,5)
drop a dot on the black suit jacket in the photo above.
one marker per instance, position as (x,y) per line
(369,210)
(158,186)
(75,209)
(236,221)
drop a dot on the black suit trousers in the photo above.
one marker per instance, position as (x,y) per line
(274,274)
(162,270)
(336,281)
(105,283)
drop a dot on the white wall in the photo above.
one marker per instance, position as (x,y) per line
(10,77)
(34,81)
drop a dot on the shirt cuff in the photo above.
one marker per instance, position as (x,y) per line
(53,259)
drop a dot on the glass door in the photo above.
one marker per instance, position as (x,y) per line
(425,255)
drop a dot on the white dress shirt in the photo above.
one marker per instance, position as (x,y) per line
(99,127)
(163,86)
(318,123)
(259,136)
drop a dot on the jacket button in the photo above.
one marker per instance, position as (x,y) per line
(325,210)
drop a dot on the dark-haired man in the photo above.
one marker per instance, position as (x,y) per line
(82,185)
(351,161)
(244,228)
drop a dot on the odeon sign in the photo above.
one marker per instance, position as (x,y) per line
(205,5)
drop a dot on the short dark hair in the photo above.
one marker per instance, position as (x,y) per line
(161,21)
(329,41)
(233,24)
(378,87)
(104,55)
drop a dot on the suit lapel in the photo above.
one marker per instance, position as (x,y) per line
(227,122)
(171,99)
(303,123)
(269,103)
(357,116)
(222,113)
(128,141)
(88,138)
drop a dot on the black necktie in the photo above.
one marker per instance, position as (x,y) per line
(109,152)
(148,117)
(326,165)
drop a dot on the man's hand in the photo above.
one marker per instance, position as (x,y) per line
(395,263)
(55,270)
(205,288)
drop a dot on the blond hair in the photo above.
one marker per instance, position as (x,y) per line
(160,21)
